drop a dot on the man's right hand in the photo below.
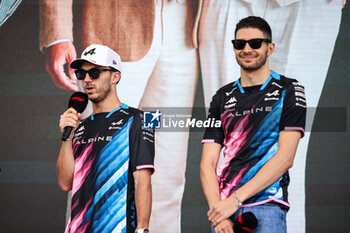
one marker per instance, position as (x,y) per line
(56,56)
(225,226)
(70,118)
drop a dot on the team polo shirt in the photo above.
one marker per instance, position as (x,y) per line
(251,119)
(108,148)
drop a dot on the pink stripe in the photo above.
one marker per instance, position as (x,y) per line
(82,168)
(234,143)
(207,140)
(83,228)
(266,201)
(225,193)
(75,204)
(297,129)
(79,218)
(145,166)
(236,140)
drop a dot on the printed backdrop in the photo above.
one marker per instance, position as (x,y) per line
(30,200)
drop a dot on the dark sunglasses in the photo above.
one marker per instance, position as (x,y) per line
(253,43)
(94,73)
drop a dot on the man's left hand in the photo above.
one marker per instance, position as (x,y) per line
(222,210)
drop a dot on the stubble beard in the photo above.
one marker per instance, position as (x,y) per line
(102,92)
(259,63)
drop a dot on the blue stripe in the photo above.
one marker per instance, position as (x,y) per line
(110,187)
(265,139)
(253,170)
(111,160)
(112,212)
(239,86)
(272,75)
(107,169)
(121,106)
(271,123)
(266,193)
(122,155)
(115,179)
(115,149)
(275,75)
(265,83)
(110,113)
(118,196)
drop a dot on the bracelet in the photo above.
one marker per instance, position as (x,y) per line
(69,139)
(239,202)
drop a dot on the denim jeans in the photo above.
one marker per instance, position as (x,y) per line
(271,218)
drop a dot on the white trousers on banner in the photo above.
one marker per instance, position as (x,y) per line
(304,33)
(165,77)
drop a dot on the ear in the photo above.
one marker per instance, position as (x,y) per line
(271,48)
(115,77)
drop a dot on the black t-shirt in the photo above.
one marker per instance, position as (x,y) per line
(108,148)
(251,119)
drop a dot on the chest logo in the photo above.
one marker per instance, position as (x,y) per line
(277,85)
(231,101)
(117,123)
(126,113)
(229,93)
(275,93)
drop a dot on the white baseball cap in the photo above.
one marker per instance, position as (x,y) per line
(99,55)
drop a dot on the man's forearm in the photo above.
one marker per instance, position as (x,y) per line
(209,161)
(266,176)
(210,184)
(143,200)
(56,21)
(65,166)
(272,170)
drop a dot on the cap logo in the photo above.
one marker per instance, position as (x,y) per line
(114,62)
(91,52)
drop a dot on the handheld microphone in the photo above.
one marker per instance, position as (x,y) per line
(78,101)
(246,222)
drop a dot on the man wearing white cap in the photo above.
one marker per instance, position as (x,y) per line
(107,161)
(157,42)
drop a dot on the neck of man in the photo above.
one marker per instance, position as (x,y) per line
(110,103)
(255,77)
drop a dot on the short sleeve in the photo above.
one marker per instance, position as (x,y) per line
(141,145)
(294,108)
(214,133)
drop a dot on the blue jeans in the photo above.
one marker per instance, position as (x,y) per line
(271,218)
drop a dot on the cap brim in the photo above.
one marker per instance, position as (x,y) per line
(76,64)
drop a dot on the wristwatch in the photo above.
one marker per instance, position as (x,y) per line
(144,230)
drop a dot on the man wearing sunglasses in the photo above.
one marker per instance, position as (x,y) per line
(108,160)
(263,118)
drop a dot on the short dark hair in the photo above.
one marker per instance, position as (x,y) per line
(255,22)
(113,70)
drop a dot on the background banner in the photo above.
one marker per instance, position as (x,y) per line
(179,59)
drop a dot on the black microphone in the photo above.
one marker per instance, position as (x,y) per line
(246,222)
(78,101)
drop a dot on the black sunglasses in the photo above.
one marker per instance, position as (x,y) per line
(94,73)
(253,43)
